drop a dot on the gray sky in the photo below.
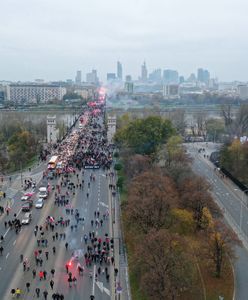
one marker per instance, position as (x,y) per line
(51,39)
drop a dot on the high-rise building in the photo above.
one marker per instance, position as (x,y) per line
(129,87)
(203,76)
(92,77)
(128,78)
(144,72)
(171,91)
(156,75)
(111,76)
(243,91)
(119,70)
(78,78)
(170,76)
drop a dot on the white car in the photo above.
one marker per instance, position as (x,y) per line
(39,203)
(27,218)
(25,198)
(43,192)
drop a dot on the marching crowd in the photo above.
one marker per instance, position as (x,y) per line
(82,149)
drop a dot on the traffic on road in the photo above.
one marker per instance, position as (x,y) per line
(56,241)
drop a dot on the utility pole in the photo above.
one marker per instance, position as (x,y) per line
(21,174)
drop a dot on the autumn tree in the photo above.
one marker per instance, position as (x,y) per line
(165,265)
(150,198)
(234,158)
(194,195)
(175,152)
(221,241)
(136,164)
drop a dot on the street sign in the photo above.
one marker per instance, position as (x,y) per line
(91,167)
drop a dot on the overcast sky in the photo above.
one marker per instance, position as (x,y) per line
(51,39)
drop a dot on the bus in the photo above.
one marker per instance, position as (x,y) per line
(53,162)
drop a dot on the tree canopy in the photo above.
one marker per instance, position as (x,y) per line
(144,136)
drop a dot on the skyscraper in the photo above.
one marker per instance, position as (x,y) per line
(119,70)
(144,72)
(203,76)
(170,76)
(155,76)
(78,78)
(92,77)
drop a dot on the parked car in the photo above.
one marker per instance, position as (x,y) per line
(39,203)
(27,218)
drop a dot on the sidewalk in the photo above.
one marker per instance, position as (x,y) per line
(120,290)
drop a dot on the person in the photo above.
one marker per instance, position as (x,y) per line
(18,293)
(41,275)
(52,272)
(34,273)
(45,294)
(74,279)
(51,284)
(92,297)
(70,281)
(66,245)
(28,286)
(37,291)
(54,249)
(21,258)
(67,268)
(1,250)
(13,292)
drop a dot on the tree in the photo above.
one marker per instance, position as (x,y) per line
(136,164)
(215,128)
(200,118)
(177,118)
(175,151)
(194,194)
(183,221)
(144,136)
(227,114)
(241,121)
(221,240)
(150,198)
(165,265)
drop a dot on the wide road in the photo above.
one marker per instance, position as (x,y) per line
(234,206)
(25,243)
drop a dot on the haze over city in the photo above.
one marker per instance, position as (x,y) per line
(52,39)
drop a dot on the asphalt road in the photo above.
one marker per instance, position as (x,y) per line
(11,270)
(233,203)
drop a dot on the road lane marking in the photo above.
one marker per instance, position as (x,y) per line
(6,232)
(94,279)
(7,255)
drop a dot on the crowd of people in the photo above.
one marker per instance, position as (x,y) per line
(82,148)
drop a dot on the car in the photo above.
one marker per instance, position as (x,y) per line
(27,218)
(43,192)
(25,198)
(39,203)
(26,207)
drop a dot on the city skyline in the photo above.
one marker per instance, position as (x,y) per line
(51,40)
